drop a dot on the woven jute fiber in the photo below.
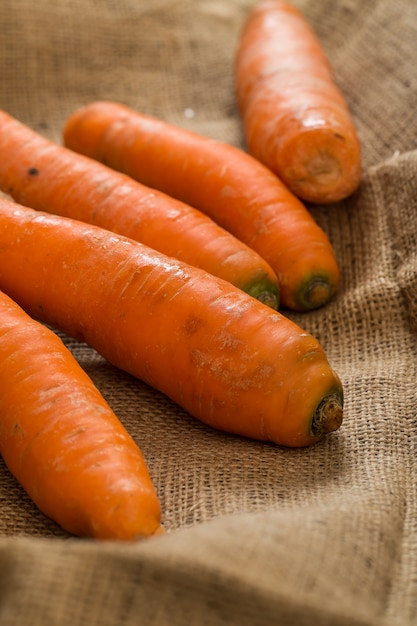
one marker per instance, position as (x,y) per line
(256,534)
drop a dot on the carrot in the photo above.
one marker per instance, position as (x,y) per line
(46,176)
(223,356)
(61,440)
(295,117)
(227,184)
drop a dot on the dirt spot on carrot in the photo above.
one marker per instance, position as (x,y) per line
(228,341)
(33,171)
(192,325)
(18,430)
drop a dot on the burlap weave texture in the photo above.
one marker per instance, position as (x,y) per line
(257,535)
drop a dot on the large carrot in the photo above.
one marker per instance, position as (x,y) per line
(295,117)
(229,185)
(46,176)
(62,441)
(223,356)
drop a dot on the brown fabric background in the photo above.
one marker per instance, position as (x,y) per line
(257,535)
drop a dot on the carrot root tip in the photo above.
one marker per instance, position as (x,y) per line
(328,415)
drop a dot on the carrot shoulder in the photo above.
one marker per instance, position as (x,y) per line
(230,186)
(295,117)
(223,356)
(46,176)
(62,441)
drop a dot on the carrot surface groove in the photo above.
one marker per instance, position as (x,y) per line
(46,176)
(295,117)
(223,356)
(61,440)
(230,186)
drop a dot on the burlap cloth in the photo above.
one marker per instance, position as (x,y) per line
(257,535)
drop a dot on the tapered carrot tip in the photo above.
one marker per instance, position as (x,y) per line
(328,415)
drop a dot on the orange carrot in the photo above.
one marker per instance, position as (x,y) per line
(45,176)
(295,117)
(227,184)
(62,441)
(223,356)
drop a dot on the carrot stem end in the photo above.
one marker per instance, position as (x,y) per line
(328,415)
(317,293)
